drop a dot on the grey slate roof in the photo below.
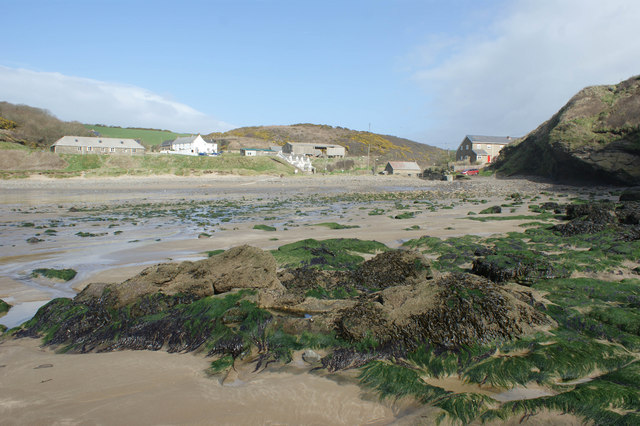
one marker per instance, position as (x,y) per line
(481,152)
(97,142)
(490,139)
(185,139)
(404,165)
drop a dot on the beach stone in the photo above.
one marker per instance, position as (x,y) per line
(310,356)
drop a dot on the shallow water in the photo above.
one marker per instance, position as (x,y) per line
(20,313)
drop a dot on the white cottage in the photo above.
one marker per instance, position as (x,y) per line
(190,145)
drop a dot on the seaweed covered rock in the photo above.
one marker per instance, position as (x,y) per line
(596,217)
(387,269)
(451,311)
(593,212)
(301,280)
(524,267)
(628,213)
(392,268)
(176,323)
(236,268)
(631,194)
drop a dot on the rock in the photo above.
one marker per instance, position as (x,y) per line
(34,240)
(311,357)
(236,268)
(450,311)
(522,267)
(599,213)
(243,267)
(631,194)
(395,267)
(629,213)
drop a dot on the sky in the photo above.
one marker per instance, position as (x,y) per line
(427,70)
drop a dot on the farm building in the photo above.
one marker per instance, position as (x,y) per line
(97,145)
(313,149)
(255,152)
(406,168)
(189,145)
(481,149)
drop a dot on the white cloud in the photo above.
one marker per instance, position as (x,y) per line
(509,76)
(97,102)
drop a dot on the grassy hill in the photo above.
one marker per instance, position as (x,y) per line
(382,147)
(148,137)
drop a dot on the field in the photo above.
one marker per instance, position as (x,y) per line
(148,137)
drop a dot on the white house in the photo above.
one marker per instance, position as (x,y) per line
(190,145)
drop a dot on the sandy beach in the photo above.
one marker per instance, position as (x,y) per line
(38,386)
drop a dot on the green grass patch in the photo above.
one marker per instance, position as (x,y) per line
(148,137)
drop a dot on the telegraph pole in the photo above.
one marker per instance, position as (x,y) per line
(369,147)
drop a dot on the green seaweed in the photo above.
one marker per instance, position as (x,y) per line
(59,274)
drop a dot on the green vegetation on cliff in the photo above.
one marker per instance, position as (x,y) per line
(34,127)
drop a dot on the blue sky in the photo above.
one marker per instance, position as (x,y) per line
(431,71)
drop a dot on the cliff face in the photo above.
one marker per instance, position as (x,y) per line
(595,137)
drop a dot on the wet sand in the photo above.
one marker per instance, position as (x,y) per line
(39,387)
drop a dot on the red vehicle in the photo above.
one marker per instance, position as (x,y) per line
(470,172)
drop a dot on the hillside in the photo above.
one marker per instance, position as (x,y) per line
(594,137)
(34,127)
(382,147)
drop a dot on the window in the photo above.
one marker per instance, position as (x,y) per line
(88,148)
(113,150)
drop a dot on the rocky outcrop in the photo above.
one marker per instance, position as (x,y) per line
(450,311)
(235,302)
(237,268)
(595,137)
